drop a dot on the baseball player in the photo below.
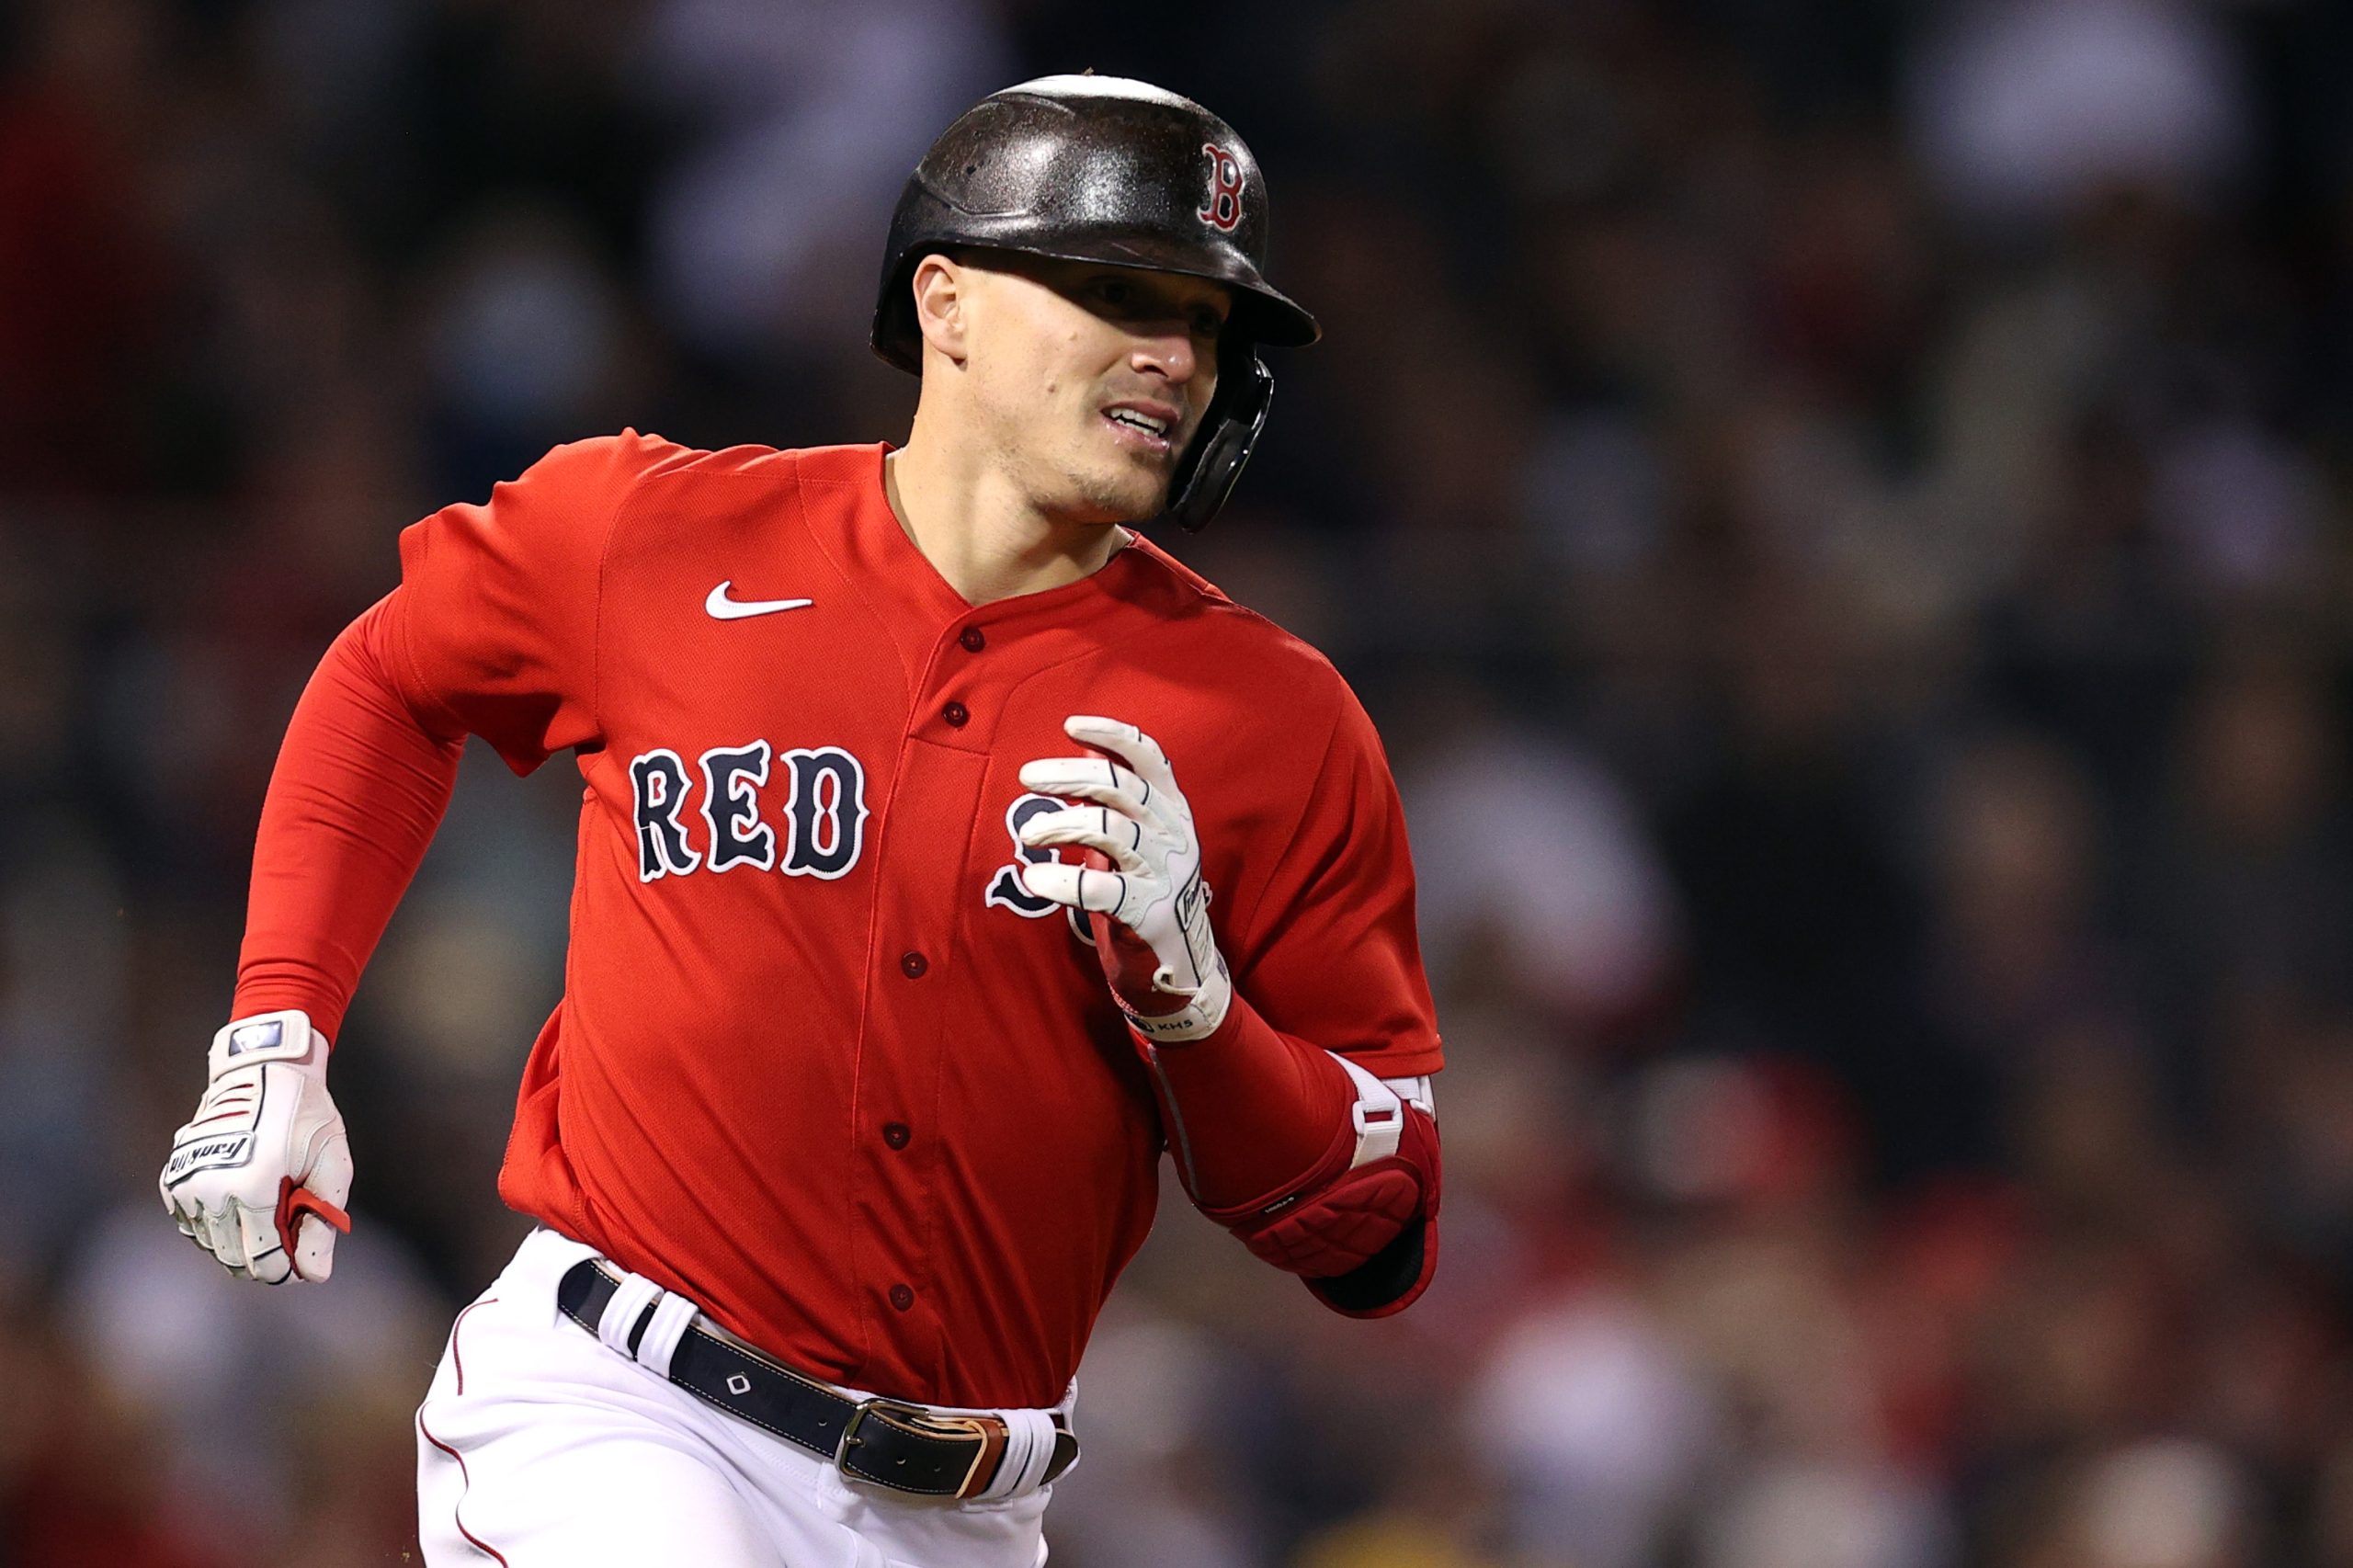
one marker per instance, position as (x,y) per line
(947,852)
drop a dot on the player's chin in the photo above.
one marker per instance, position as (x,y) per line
(1124,493)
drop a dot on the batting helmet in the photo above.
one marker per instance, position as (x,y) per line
(1103,168)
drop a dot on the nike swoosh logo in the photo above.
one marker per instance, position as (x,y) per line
(722,608)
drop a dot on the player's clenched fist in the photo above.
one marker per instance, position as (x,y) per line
(1143,826)
(259,1175)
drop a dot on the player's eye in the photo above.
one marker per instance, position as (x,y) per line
(1207,322)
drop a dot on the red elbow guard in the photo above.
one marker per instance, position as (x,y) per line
(1364,1238)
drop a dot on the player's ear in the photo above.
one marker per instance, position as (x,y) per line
(941,286)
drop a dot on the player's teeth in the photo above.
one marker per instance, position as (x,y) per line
(1139,421)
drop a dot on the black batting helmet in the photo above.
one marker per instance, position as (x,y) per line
(1104,168)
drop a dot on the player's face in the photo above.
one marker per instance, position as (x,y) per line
(1094,378)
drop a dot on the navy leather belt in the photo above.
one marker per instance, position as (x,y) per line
(907,1447)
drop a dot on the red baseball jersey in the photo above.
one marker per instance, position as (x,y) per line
(823,1063)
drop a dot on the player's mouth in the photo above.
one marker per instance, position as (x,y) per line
(1144,425)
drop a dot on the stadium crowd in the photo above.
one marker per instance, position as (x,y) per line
(1841,509)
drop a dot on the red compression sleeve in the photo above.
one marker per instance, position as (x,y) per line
(359,788)
(1255,1112)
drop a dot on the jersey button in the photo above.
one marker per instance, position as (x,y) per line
(913,964)
(957,714)
(896,1133)
(973,639)
(902,1297)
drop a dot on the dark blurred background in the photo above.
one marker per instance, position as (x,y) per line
(1840,509)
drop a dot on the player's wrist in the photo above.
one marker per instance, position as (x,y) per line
(1174,1017)
(285,1036)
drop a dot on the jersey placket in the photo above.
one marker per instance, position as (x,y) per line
(914,983)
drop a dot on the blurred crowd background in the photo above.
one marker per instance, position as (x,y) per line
(1843,510)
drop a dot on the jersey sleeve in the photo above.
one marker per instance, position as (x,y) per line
(494,627)
(1326,951)
(359,788)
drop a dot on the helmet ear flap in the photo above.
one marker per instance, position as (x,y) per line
(1229,429)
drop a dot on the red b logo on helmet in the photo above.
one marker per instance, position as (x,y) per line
(1224,210)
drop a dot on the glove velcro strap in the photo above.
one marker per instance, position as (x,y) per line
(1191,1022)
(1203,1014)
(284,1036)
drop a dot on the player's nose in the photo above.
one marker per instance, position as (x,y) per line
(1168,353)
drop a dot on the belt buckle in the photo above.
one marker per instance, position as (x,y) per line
(922,1420)
(859,1412)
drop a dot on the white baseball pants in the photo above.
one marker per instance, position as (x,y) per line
(537,1447)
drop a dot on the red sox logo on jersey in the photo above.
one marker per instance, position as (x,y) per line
(1225,210)
(1006,889)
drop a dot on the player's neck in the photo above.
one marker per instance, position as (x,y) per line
(979,532)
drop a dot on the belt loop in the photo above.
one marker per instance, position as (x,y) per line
(1028,1448)
(632,1296)
(673,1314)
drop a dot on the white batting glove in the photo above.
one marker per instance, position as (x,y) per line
(1141,824)
(259,1175)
